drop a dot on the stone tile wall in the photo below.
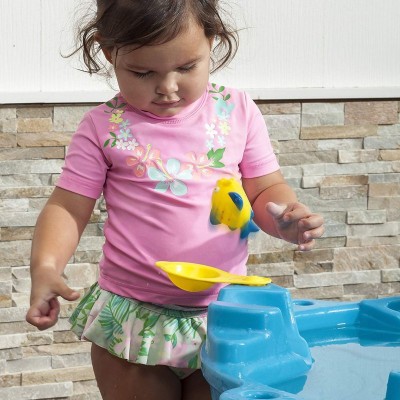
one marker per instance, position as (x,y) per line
(342,158)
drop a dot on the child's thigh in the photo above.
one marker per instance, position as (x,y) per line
(195,387)
(118,379)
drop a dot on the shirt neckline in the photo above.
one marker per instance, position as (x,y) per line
(186,113)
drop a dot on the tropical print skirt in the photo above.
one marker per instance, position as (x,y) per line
(141,332)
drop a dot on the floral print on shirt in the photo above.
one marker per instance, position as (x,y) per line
(171,174)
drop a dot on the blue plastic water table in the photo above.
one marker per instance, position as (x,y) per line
(261,344)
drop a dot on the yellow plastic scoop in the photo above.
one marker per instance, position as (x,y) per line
(196,277)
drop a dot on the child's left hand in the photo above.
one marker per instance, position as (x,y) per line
(295,223)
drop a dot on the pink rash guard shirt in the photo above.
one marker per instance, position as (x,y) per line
(157,176)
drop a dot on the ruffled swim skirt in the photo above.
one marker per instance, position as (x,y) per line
(141,332)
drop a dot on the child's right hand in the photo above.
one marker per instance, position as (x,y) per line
(45,307)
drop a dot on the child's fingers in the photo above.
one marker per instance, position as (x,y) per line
(310,228)
(307,238)
(307,246)
(314,233)
(297,213)
(66,292)
(276,210)
(45,306)
(43,314)
(312,222)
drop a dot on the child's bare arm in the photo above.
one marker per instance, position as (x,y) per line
(278,213)
(57,233)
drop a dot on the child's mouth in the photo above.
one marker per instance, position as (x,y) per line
(167,104)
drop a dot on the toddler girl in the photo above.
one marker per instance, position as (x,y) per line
(155,151)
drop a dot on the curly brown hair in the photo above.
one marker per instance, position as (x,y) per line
(119,23)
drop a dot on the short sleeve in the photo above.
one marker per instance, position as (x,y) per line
(85,168)
(259,158)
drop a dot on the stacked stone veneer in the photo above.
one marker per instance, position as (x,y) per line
(342,158)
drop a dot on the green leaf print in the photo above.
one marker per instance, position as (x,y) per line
(112,344)
(142,314)
(110,325)
(174,340)
(185,326)
(149,323)
(143,351)
(147,334)
(81,313)
(218,164)
(113,104)
(193,362)
(195,327)
(113,138)
(219,91)
(171,322)
(215,156)
(114,315)
(171,338)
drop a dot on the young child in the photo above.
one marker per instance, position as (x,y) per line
(156,151)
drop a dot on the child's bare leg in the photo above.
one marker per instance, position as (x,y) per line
(195,387)
(118,379)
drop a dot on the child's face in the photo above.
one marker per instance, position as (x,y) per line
(164,79)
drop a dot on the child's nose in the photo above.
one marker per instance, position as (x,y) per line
(167,85)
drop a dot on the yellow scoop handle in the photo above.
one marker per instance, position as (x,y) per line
(196,277)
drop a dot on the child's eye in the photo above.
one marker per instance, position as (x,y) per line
(187,68)
(142,75)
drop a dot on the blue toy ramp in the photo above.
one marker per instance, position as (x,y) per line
(262,345)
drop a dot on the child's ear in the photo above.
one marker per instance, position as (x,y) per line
(211,41)
(106,50)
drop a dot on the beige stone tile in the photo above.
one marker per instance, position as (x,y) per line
(326,292)
(366,258)
(8,140)
(35,112)
(34,153)
(33,125)
(371,112)
(344,180)
(279,108)
(58,375)
(43,139)
(10,380)
(384,189)
(67,118)
(338,132)
(389,155)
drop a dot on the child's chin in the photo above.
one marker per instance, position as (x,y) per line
(166,112)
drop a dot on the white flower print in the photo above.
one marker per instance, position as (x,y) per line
(132,144)
(125,134)
(221,141)
(210,128)
(210,144)
(126,145)
(121,145)
(124,124)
